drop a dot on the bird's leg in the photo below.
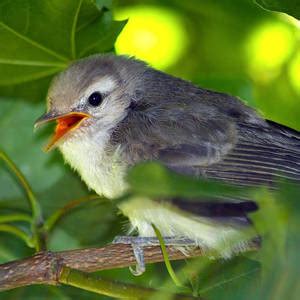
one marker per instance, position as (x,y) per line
(138,243)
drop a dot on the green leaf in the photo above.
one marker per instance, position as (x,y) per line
(291,7)
(238,278)
(154,180)
(40,38)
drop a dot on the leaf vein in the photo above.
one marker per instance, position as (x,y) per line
(30,63)
(73,32)
(225,281)
(32,42)
(35,76)
(106,36)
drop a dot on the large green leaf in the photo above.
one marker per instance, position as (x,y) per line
(291,7)
(154,180)
(40,38)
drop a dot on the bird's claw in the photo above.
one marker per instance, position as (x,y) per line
(140,267)
(137,247)
(137,243)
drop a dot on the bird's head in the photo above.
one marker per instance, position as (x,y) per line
(92,95)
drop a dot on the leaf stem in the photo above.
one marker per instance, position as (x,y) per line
(37,219)
(166,257)
(28,190)
(15,217)
(58,214)
(109,288)
(17,232)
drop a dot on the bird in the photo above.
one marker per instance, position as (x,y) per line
(113,112)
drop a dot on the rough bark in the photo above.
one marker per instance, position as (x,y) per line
(45,267)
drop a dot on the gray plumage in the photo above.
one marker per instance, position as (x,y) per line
(204,133)
(149,115)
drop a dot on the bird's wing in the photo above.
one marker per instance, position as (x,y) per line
(262,155)
(224,147)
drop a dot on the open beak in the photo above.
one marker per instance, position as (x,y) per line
(65,123)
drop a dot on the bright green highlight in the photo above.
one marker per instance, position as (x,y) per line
(153,34)
(294,72)
(269,46)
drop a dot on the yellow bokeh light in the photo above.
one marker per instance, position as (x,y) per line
(269,47)
(156,35)
(294,72)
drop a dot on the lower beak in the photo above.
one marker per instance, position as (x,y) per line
(65,123)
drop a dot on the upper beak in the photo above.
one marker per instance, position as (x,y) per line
(65,123)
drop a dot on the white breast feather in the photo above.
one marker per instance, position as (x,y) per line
(102,172)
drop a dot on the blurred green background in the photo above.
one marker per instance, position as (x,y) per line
(230,46)
(233,46)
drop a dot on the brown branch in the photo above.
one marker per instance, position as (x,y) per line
(45,267)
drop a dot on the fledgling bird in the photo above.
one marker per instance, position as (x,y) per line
(113,112)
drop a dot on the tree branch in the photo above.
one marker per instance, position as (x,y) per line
(46,267)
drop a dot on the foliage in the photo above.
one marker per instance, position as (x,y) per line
(39,39)
(33,51)
(291,7)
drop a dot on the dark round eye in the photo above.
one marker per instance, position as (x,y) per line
(95,99)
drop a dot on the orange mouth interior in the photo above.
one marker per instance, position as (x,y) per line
(64,125)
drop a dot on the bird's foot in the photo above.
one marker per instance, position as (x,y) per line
(138,243)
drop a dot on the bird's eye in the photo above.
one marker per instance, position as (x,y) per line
(95,99)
